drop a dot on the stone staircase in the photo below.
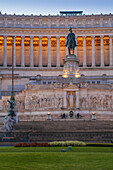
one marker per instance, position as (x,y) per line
(64,125)
(1,123)
(64,129)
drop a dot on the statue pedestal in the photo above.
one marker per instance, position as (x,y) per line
(72,56)
(71,66)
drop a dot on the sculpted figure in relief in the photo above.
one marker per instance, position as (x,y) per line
(97,102)
(37,102)
(71,100)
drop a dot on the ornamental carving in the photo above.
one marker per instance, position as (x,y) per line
(84,85)
(44,42)
(40,102)
(100,102)
(62,43)
(88,42)
(80,43)
(53,43)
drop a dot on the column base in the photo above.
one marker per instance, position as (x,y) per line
(40,65)
(5,66)
(102,66)
(111,66)
(93,66)
(49,66)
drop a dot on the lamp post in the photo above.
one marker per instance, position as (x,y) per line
(12,110)
(12,93)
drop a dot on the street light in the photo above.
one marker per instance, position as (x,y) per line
(12,110)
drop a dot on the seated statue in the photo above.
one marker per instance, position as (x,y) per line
(8,124)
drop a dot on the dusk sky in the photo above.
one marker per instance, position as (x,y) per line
(53,7)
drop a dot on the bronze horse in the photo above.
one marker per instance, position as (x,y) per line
(71,42)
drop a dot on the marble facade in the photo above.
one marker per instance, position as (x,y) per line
(39,50)
(42,43)
(62,98)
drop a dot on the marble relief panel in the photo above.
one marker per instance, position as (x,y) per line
(100,102)
(38,101)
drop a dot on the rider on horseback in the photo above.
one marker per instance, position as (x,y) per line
(71,42)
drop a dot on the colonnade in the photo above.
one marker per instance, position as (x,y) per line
(49,64)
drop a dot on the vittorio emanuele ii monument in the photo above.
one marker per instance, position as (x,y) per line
(53,75)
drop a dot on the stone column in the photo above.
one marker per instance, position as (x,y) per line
(84,51)
(77,99)
(66,49)
(76,47)
(111,54)
(31,51)
(58,51)
(93,51)
(5,51)
(40,51)
(49,51)
(65,99)
(102,51)
(22,52)
(14,50)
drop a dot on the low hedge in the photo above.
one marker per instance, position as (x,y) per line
(56,143)
(67,143)
(35,144)
(100,144)
(63,143)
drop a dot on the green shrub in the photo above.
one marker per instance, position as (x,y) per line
(35,144)
(67,143)
(100,144)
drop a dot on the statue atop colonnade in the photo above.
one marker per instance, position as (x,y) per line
(71,42)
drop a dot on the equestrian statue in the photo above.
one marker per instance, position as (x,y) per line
(71,42)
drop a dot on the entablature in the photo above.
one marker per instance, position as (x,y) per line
(55,32)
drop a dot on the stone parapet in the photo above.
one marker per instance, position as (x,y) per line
(34,21)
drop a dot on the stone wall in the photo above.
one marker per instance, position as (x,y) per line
(41,99)
(97,97)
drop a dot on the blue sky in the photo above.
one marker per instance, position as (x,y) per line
(53,7)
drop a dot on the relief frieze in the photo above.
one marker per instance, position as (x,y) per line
(38,102)
(101,102)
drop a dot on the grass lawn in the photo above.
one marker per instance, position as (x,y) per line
(51,158)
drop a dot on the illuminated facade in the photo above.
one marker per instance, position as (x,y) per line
(39,50)
(39,47)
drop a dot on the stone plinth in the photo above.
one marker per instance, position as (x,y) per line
(71,66)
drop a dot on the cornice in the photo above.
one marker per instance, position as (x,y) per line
(44,16)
